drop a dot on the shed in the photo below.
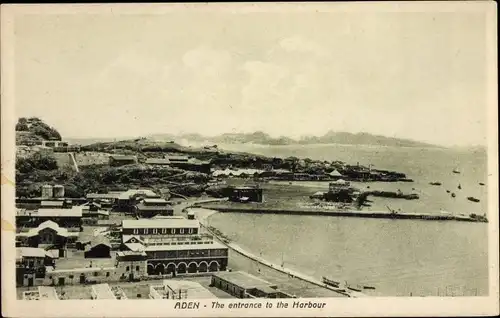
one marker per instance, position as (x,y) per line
(99,247)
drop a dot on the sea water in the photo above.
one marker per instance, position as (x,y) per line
(397,257)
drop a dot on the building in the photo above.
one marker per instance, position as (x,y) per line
(131,265)
(191,164)
(157,227)
(48,234)
(174,257)
(121,160)
(339,184)
(151,207)
(245,194)
(244,285)
(99,247)
(94,210)
(158,162)
(335,175)
(64,217)
(34,259)
(127,200)
(179,289)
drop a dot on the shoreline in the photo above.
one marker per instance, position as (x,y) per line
(287,271)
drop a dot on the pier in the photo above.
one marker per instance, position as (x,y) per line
(344,213)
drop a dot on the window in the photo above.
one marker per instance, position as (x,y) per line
(107,274)
(127,269)
(96,273)
(181,231)
(145,231)
(136,231)
(70,276)
(173,231)
(155,231)
(137,268)
(163,231)
(190,231)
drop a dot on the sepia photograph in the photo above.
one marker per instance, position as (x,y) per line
(249,159)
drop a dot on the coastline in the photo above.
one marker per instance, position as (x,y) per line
(204,215)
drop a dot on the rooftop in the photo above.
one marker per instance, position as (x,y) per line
(244,280)
(31,252)
(143,207)
(193,290)
(160,223)
(155,201)
(182,246)
(102,291)
(157,161)
(52,204)
(49,225)
(75,211)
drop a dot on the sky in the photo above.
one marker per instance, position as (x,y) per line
(420,76)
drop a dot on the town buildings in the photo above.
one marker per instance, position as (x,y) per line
(47,234)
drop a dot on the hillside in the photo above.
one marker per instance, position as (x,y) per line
(33,130)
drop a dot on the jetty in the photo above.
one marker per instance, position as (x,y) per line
(345,213)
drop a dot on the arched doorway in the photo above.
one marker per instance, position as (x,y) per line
(151,269)
(181,268)
(203,267)
(192,267)
(214,266)
(160,269)
(170,268)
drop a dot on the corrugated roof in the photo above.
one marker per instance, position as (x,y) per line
(142,207)
(154,200)
(31,252)
(157,161)
(160,223)
(75,211)
(184,247)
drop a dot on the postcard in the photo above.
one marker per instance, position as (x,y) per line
(249,159)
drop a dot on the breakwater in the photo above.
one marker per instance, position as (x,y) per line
(346,213)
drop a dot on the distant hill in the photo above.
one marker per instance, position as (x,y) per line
(330,137)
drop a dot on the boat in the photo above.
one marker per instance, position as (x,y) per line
(435,183)
(331,282)
(354,287)
(447,191)
(456,171)
(453,195)
(368,287)
(459,186)
(481,183)
(473,199)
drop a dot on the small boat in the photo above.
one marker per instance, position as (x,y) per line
(453,195)
(481,183)
(473,199)
(459,186)
(456,171)
(447,191)
(368,287)
(354,287)
(331,282)
(435,183)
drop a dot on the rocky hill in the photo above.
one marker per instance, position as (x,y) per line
(32,130)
